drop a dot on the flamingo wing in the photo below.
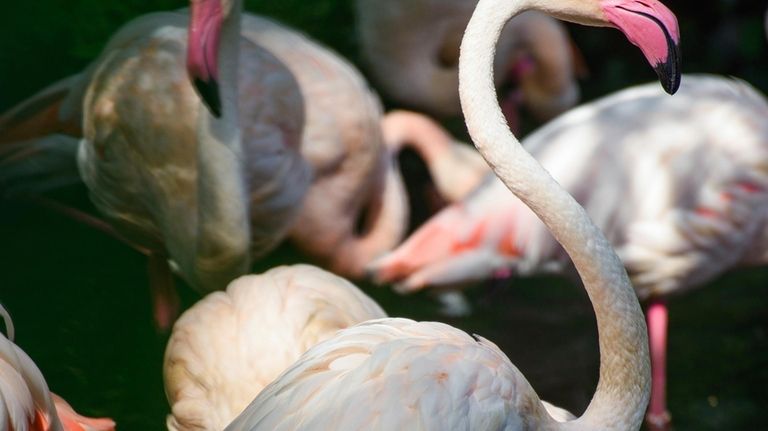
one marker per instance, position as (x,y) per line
(231,344)
(383,375)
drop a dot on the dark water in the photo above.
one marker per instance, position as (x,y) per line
(80,300)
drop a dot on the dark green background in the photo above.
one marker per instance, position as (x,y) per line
(80,299)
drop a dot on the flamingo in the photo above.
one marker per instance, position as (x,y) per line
(412,48)
(334,191)
(679,185)
(271,318)
(177,180)
(400,374)
(25,401)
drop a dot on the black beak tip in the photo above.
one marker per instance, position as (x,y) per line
(209,92)
(670,71)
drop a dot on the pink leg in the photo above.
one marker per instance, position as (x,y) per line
(165,300)
(658,418)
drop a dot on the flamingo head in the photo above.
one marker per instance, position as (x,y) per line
(648,24)
(206,17)
(537,67)
(546,90)
(660,43)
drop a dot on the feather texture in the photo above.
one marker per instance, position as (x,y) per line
(678,184)
(231,344)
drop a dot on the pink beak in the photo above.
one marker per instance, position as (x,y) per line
(203,51)
(660,42)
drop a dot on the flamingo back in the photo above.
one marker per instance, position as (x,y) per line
(679,185)
(231,344)
(383,375)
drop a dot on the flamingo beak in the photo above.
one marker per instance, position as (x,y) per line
(660,42)
(205,21)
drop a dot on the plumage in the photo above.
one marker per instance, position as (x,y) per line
(355,207)
(142,142)
(25,401)
(412,48)
(678,184)
(231,344)
(395,374)
(392,374)
(315,163)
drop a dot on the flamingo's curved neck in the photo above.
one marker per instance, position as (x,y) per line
(385,223)
(624,386)
(223,229)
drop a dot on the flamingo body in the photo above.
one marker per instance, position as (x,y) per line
(412,48)
(138,156)
(231,344)
(678,184)
(396,373)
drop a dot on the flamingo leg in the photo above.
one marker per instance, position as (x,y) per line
(165,299)
(658,418)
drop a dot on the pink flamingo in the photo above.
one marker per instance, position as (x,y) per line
(412,50)
(180,181)
(400,374)
(230,345)
(679,186)
(25,401)
(309,163)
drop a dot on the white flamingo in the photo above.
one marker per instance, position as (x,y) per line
(231,344)
(412,48)
(25,401)
(175,179)
(679,186)
(398,374)
(272,318)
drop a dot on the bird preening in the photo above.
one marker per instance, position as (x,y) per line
(207,137)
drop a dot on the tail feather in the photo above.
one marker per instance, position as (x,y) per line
(74,421)
(434,241)
(38,166)
(29,169)
(55,109)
